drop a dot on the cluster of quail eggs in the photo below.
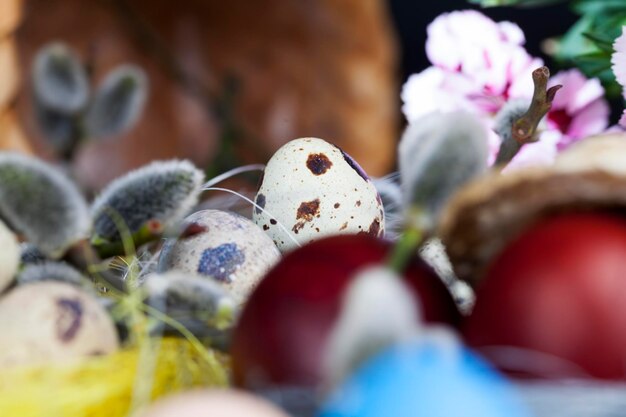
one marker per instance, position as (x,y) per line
(310,189)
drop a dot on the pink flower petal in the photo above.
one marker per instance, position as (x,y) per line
(540,153)
(434,89)
(577,91)
(521,69)
(478,65)
(512,33)
(622,120)
(618,59)
(457,41)
(591,120)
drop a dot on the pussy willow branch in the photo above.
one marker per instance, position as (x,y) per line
(84,256)
(524,129)
(211,96)
(151,231)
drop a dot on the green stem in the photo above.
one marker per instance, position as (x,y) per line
(83,256)
(149,232)
(404,249)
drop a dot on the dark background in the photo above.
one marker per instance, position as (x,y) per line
(412,16)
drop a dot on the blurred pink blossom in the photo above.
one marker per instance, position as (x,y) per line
(478,65)
(579,108)
(618,59)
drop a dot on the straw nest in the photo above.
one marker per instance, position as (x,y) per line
(110,386)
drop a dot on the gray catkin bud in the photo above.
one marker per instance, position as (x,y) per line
(29,254)
(377,311)
(162,191)
(118,103)
(59,79)
(39,201)
(187,297)
(437,154)
(510,112)
(62,130)
(53,271)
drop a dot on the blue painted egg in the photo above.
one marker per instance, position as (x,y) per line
(424,380)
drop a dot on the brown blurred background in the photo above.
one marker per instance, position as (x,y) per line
(267,70)
(257,72)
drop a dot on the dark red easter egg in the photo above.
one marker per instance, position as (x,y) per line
(283,329)
(553,303)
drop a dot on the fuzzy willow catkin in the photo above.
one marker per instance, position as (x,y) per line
(118,103)
(161,191)
(53,271)
(187,297)
(377,311)
(40,202)
(59,79)
(437,154)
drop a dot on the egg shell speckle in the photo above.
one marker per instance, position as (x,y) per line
(52,321)
(313,189)
(233,251)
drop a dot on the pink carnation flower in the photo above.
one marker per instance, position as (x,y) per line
(478,65)
(618,59)
(579,108)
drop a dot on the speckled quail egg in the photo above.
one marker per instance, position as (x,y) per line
(312,189)
(9,256)
(52,321)
(232,250)
(214,403)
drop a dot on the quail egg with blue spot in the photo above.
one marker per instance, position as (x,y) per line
(232,250)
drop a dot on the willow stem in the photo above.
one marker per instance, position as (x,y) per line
(151,231)
(524,129)
(404,249)
(83,256)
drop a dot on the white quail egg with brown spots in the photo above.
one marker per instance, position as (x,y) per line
(232,250)
(52,321)
(312,189)
(9,256)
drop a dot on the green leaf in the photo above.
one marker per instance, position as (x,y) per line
(593,64)
(517,3)
(602,42)
(595,7)
(573,43)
